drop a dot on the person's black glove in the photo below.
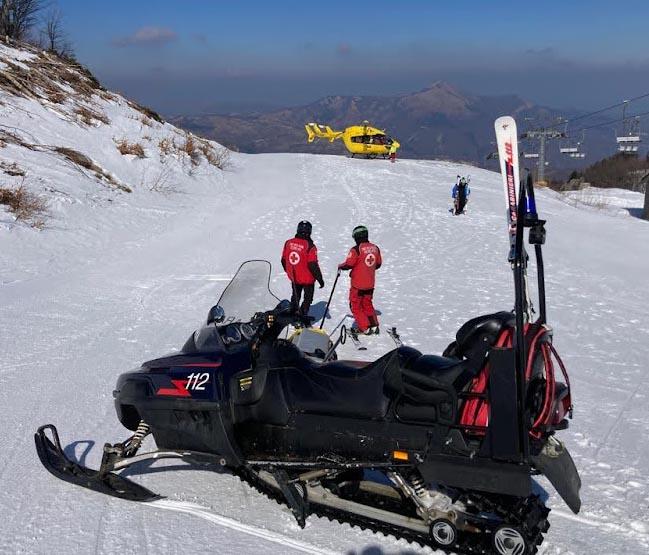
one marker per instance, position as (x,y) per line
(321,282)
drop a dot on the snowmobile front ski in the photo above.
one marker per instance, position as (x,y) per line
(115,458)
(103,480)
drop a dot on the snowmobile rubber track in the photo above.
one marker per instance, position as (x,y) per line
(529,515)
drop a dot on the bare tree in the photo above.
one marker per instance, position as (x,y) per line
(18,17)
(55,39)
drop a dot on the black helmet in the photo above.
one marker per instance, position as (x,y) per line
(304,228)
(360,234)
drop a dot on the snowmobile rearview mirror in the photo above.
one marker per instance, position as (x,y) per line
(216,315)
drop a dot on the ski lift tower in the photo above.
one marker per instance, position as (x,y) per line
(542,135)
(629,141)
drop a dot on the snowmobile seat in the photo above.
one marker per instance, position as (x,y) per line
(474,338)
(446,370)
(338,388)
(426,386)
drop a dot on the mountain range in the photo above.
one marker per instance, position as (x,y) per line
(440,121)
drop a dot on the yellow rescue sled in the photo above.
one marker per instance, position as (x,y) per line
(363,139)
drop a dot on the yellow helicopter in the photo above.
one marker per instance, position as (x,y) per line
(363,139)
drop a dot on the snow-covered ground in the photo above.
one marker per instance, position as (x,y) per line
(614,201)
(116,278)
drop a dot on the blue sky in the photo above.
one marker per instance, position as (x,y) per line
(202,55)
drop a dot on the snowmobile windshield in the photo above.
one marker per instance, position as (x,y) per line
(248,292)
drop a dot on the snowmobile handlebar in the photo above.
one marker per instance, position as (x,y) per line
(270,324)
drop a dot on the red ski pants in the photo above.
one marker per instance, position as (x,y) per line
(360,303)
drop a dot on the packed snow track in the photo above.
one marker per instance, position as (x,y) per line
(108,285)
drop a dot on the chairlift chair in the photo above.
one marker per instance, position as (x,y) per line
(629,140)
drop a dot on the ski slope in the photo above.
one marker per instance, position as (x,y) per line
(146,272)
(116,278)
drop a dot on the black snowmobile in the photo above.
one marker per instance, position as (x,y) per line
(440,450)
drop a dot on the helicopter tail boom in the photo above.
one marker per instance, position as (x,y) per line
(314,130)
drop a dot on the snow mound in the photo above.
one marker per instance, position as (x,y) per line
(65,137)
(611,201)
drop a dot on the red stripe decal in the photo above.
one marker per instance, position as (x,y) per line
(180,389)
(201,365)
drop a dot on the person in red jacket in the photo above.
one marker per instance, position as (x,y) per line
(300,262)
(363,260)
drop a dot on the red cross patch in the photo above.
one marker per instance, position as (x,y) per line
(294,258)
(370,260)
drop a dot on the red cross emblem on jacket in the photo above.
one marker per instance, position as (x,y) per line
(363,260)
(300,253)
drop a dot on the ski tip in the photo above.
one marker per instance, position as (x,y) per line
(504,123)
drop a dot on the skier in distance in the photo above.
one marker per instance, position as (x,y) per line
(460,195)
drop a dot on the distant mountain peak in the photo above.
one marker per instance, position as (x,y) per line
(440,97)
(442,85)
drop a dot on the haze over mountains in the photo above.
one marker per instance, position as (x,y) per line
(437,122)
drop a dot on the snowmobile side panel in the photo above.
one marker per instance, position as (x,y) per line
(477,474)
(258,398)
(555,462)
(56,462)
(192,425)
(310,436)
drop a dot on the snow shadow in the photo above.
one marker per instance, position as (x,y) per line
(70,450)
(317,311)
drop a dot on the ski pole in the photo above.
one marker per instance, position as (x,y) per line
(329,301)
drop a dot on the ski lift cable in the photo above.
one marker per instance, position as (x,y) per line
(611,107)
(611,122)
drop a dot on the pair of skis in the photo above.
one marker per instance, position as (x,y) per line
(392,332)
(353,335)
(507,139)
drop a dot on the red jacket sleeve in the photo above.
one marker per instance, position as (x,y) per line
(379,258)
(350,261)
(313,254)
